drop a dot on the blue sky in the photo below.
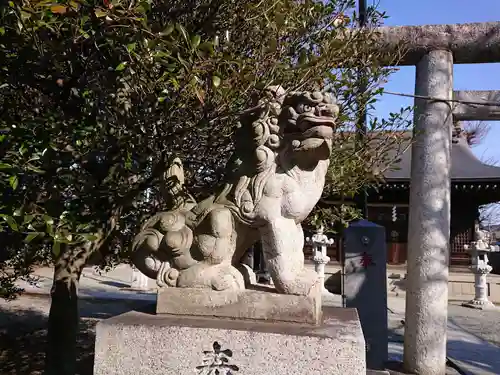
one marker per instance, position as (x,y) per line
(466,77)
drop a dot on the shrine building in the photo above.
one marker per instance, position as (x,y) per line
(473,184)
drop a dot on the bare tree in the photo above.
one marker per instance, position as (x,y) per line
(474,131)
(489,219)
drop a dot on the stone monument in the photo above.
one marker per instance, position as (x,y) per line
(209,307)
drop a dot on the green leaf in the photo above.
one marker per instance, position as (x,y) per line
(49,222)
(207,47)
(131,47)
(5,166)
(303,57)
(58,9)
(48,219)
(195,41)
(121,66)
(31,236)
(11,221)
(128,161)
(34,169)
(23,149)
(216,81)
(82,226)
(56,248)
(100,13)
(144,7)
(168,30)
(13,181)
(89,237)
(182,31)
(182,61)
(161,54)
(2,31)
(28,219)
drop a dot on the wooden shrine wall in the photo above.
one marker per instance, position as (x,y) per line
(395,221)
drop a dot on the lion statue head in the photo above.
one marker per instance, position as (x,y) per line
(278,125)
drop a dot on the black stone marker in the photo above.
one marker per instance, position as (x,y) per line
(365,286)
(248,258)
(263,276)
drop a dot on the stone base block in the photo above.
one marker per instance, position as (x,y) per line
(259,303)
(139,343)
(480,305)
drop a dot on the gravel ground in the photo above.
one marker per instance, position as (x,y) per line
(484,324)
(23,322)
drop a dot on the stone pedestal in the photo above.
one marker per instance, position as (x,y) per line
(320,261)
(259,304)
(147,344)
(480,300)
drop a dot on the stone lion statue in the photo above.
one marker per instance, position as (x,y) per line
(274,179)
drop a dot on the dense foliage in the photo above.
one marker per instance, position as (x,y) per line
(97,97)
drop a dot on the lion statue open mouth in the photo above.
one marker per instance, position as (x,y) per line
(274,179)
(314,115)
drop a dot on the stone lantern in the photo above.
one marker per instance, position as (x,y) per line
(479,250)
(319,243)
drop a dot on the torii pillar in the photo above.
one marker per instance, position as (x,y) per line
(429,219)
(433,49)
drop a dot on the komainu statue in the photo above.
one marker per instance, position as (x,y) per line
(273,181)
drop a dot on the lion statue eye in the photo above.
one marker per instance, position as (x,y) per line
(306,108)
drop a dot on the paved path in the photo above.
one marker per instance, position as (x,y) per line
(472,334)
(466,345)
(93,284)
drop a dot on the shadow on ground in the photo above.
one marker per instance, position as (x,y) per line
(115,284)
(470,355)
(484,325)
(23,335)
(109,282)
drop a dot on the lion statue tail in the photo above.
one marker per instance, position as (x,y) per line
(173,190)
(144,255)
(145,250)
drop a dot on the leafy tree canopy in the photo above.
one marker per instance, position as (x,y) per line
(97,97)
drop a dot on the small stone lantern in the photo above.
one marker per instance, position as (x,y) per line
(479,250)
(319,242)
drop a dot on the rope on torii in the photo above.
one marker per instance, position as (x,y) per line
(458,101)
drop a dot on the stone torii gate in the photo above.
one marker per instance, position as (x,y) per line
(433,49)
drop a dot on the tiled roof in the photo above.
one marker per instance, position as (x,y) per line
(465,166)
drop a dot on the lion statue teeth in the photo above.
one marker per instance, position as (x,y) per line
(273,181)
